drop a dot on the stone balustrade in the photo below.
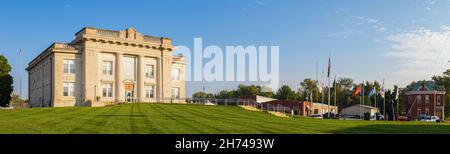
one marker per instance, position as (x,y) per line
(107,33)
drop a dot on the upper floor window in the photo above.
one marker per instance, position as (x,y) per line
(427,99)
(69,66)
(149,71)
(176,74)
(149,91)
(68,88)
(419,100)
(438,100)
(107,68)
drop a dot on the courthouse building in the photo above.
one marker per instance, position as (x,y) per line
(104,66)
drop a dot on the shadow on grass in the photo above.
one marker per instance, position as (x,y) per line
(397,129)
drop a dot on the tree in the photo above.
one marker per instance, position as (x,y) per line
(6,82)
(346,83)
(309,86)
(225,94)
(16,99)
(266,92)
(444,83)
(202,95)
(244,90)
(286,93)
(344,91)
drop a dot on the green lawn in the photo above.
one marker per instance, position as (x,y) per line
(191,119)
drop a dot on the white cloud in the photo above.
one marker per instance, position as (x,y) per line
(375,23)
(420,53)
(429,4)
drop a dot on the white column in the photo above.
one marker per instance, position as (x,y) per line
(141,78)
(159,80)
(119,80)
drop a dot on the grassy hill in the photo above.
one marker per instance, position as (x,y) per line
(191,119)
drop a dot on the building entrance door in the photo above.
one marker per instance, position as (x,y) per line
(129,92)
(129,96)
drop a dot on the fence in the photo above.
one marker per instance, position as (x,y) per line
(19,105)
(212,101)
(271,108)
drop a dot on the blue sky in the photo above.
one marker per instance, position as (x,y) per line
(401,40)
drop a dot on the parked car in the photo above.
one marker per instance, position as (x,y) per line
(330,115)
(430,119)
(317,116)
(379,116)
(351,117)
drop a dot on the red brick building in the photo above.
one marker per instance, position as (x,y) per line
(303,107)
(425,98)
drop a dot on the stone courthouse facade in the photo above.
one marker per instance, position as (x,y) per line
(105,66)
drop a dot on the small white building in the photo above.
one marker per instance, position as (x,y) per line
(359,110)
(258,99)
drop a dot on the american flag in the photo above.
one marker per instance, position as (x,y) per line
(329,67)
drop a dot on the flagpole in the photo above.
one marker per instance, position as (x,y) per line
(329,85)
(323,92)
(329,97)
(312,95)
(376,94)
(384,108)
(363,90)
(20,77)
(360,103)
(335,93)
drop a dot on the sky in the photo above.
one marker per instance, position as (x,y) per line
(400,41)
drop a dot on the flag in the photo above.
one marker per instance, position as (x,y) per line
(334,82)
(357,91)
(329,67)
(382,90)
(374,90)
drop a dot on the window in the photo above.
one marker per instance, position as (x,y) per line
(409,100)
(419,100)
(438,102)
(175,92)
(427,99)
(176,74)
(107,90)
(129,68)
(419,111)
(69,66)
(107,68)
(149,91)
(427,111)
(149,71)
(68,88)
